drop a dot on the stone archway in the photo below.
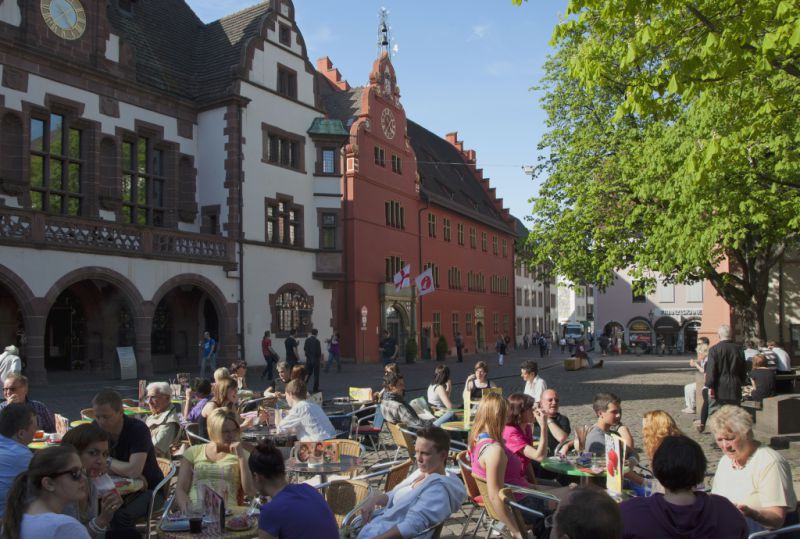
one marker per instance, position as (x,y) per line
(18,317)
(183,307)
(89,313)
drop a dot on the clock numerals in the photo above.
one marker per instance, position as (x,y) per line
(65,18)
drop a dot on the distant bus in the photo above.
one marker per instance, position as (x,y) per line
(573,330)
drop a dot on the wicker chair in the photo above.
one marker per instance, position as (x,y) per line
(517,510)
(402,439)
(87,413)
(130,402)
(396,475)
(492,512)
(343,496)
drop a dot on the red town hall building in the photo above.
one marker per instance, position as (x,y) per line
(412,197)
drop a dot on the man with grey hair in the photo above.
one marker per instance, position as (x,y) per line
(163,421)
(10,362)
(726,369)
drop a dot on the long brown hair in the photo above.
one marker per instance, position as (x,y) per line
(490,418)
(28,485)
(221,389)
(518,404)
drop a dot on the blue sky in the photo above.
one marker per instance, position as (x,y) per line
(463,66)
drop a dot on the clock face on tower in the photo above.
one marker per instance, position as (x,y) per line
(387,123)
(66,18)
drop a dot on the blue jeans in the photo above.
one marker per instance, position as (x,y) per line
(331,357)
(211,361)
(448,416)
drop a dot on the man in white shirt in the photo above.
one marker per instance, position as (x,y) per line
(10,362)
(781,356)
(534,384)
(305,420)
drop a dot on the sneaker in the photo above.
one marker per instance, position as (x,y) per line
(688,411)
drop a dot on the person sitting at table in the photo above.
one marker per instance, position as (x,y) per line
(223,459)
(221,374)
(277,387)
(478,381)
(37,497)
(518,434)
(18,426)
(132,455)
(295,511)
(305,420)
(200,390)
(558,425)
(91,442)
(425,498)
(439,391)
(608,408)
(377,396)
(15,389)
(762,378)
(238,372)
(680,465)
(534,384)
(656,426)
(299,372)
(572,520)
(163,420)
(396,410)
(756,478)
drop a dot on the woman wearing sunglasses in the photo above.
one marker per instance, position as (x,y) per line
(55,478)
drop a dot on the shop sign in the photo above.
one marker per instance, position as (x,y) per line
(679,312)
(639,326)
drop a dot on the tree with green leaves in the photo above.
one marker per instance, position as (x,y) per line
(673,145)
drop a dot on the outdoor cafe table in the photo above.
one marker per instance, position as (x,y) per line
(556,465)
(346,463)
(249,533)
(136,410)
(455,426)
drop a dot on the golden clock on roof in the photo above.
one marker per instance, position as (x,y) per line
(388,123)
(65,18)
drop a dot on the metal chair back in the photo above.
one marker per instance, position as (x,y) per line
(163,485)
(792,531)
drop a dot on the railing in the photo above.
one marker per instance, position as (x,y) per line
(36,229)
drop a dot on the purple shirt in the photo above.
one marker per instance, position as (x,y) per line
(709,517)
(197,409)
(298,512)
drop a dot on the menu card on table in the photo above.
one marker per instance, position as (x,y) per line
(317,453)
(360,393)
(615,458)
(213,508)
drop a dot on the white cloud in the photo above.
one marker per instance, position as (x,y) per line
(479,31)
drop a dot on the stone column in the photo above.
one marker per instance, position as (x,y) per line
(34,346)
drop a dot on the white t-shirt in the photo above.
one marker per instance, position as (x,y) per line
(765,481)
(52,526)
(307,422)
(536,388)
(782,357)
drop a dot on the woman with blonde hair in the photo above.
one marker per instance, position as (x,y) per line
(223,460)
(657,425)
(495,463)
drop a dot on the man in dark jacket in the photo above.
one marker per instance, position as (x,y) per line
(726,369)
(313,351)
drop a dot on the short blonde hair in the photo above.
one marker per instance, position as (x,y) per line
(216,421)
(733,419)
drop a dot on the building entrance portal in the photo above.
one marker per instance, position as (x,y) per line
(396,324)
(12,325)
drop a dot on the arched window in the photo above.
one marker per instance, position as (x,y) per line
(291,309)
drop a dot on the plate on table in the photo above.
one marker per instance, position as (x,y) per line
(240,522)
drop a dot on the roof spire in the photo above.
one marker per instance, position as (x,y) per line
(384,35)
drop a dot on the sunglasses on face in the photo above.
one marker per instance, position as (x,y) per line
(76,474)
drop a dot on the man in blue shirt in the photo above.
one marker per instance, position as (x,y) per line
(209,354)
(18,426)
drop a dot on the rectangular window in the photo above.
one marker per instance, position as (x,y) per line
(437,324)
(431,225)
(328,161)
(454,318)
(694,292)
(495,323)
(666,292)
(540,300)
(505,248)
(446,229)
(393,265)
(454,278)
(519,327)
(494,245)
(142,182)
(328,231)
(484,242)
(527,325)
(519,297)
(473,237)
(284,222)
(56,166)
(284,34)
(434,271)
(287,82)
(552,300)
(395,214)
(380,156)
(460,229)
(283,149)
(637,298)
(506,325)
(468,324)
(396,165)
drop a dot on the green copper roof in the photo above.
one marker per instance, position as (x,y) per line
(327,126)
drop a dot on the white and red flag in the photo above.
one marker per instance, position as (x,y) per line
(402,278)
(424,282)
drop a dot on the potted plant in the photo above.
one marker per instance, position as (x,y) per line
(441,348)
(411,350)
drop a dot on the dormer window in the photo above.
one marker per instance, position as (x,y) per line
(285,34)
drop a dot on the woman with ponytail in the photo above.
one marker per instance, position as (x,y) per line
(55,478)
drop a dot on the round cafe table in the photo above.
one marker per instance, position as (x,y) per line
(248,533)
(136,410)
(346,463)
(556,465)
(78,422)
(456,426)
